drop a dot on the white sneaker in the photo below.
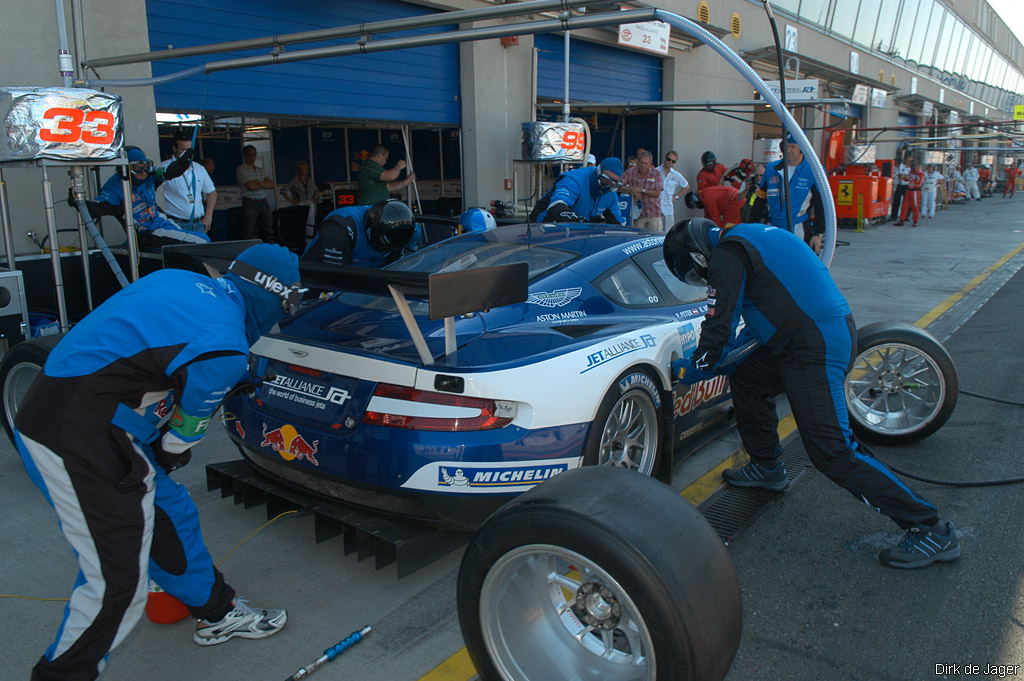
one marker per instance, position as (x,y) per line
(243,621)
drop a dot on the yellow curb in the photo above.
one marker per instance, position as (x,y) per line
(924,321)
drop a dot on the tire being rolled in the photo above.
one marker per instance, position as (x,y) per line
(903,385)
(18,369)
(606,531)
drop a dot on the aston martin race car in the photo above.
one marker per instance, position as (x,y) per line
(374,400)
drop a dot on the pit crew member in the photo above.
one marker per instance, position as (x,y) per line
(721,204)
(583,195)
(153,229)
(807,343)
(807,212)
(367,236)
(710,173)
(120,403)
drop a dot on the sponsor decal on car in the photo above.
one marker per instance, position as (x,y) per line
(695,312)
(688,337)
(240,429)
(287,442)
(618,349)
(305,392)
(557,298)
(698,394)
(487,478)
(643,245)
(643,380)
(561,316)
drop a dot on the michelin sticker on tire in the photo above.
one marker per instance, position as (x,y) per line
(644,381)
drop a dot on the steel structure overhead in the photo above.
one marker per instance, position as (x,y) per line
(698,105)
(279,41)
(811,67)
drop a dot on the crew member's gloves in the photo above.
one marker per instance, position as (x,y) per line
(168,460)
(179,166)
(563,214)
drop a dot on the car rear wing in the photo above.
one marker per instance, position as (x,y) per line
(448,294)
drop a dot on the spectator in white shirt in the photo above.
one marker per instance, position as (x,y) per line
(190,198)
(971,183)
(928,191)
(675,184)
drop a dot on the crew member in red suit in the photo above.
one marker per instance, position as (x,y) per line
(1012,173)
(711,172)
(912,199)
(721,204)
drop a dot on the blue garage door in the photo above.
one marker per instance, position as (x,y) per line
(414,85)
(597,73)
(906,119)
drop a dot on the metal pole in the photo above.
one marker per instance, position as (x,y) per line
(8,229)
(65,65)
(51,229)
(462,36)
(565,74)
(77,174)
(129,224)
(389,26)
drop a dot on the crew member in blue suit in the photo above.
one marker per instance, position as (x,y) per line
(152,227)
(808,214)
(808,342)
(119,404)
(366,236)
(583,195)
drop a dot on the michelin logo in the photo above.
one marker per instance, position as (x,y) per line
(559,298)
(466,476)
(688,337)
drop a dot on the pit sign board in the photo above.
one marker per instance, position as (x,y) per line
(1018,112)
(61,124)
(651,36)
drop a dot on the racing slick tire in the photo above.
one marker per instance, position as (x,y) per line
(599,573)
(903,385)
(629,430)
(18,370)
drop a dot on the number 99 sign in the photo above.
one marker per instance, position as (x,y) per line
(574,139)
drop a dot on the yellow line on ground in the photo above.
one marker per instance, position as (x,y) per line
(956,297)
(458,667)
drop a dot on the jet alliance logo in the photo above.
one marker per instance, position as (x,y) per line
(558,298)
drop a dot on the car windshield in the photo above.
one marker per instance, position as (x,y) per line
(461,254)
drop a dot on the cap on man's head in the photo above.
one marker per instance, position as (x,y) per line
(136,155)
(611,165)
(791,140)
(274,260)
(592,160)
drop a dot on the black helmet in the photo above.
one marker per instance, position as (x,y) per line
(708,158)
(688,247)
(693,201)
(389,225)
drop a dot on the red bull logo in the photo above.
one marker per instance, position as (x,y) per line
(287,442)
(240,429)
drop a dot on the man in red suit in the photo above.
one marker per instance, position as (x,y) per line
(1012,173)
(721,204)
(912,199)
(711,171)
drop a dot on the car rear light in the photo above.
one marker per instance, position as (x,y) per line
(401,407)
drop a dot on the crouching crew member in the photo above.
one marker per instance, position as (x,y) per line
(583,195)
(807,343)
(119,404)
(366,236)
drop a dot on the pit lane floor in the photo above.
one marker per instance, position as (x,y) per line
(816,602)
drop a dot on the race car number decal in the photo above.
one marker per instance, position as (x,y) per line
(645,382)
(699,393)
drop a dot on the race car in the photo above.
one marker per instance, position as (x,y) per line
(441,421)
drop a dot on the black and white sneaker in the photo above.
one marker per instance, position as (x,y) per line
(244,621)
(756,476)
(922,546)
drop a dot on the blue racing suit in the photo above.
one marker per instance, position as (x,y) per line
(153,228)
(579,191)
(341,240)
(808,342)
(805,204)
(120,402)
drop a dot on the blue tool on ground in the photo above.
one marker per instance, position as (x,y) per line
(331,653)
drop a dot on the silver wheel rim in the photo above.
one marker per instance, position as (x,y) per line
(895,389)
(19,380)
(550,613)
(629,437)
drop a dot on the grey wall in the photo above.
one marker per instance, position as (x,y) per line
(29,44)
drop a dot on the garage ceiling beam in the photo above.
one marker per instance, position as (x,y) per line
(279,41)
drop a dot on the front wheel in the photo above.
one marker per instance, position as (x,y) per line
(599,573)
(903,385)
(18,371)
(628,430)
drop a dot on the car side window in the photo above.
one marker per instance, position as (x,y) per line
(626,285)
(654,265)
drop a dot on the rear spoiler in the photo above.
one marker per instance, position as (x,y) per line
(448,294)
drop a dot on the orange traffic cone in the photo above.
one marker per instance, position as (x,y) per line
(162,607)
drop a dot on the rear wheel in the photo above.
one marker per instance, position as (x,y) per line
(628,431)
(18,371)
(599,573)
(903,385)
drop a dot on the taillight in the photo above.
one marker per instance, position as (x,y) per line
(401,407)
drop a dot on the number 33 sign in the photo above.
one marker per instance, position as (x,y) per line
(64,124)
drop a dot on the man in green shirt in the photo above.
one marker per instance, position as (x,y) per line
(376,184)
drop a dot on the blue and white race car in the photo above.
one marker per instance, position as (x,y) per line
(442,425)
